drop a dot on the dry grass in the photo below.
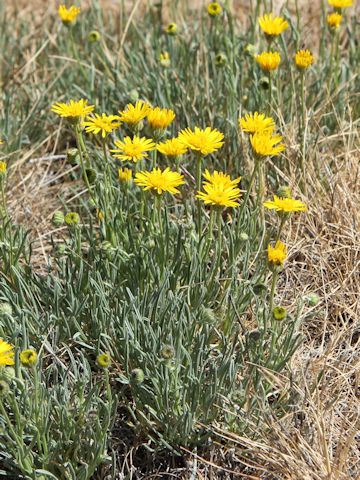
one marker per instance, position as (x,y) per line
(316,441)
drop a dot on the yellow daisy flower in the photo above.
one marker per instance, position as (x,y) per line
(334,20)
(171,29)
(68,16)
(277,254)
(256,122)
(172,147)
(73,109)
(203,141)
(340,3)
(160,118)
(165,59)
(272,26)
(133,114)
(220,180)
(304,59)
(268,61)
(285,205)
(265,144)
(125,175)
(159,181)
(6,353)
(103,124)
(220,191)
(3,168)
(214,9)
(28,358)
(133,149)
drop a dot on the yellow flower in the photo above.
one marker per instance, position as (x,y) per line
(160,118)
(265,144)
(133,149)
(220,180)
(103,124)
(172,147)
(285,205)
(165,59)
(6,353)
(103,360)
(268,61)
(340,3)
(272,26)
(1,142)
(3,168)
(214,9)
(203,141)
(277,254)
(160,181)
(256,122)
(171,29)
(28,358)
(334,20)
(73,109)
(125,175)
(304,59)
(220,190)
(133,114)
(68,16)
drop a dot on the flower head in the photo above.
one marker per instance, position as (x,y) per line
(3,168)
(272,26)
(6,353)
(171,29)
(277,254)
(220,59)
(172,147)
(279,313)
(133,114)
(73,109)
(159,181)
(304,59)
(28,357)
(72,219)
(265,144)
(160,118)
(214,9)
(340,3)
(285,205)
(103,360)
(268,61)
(256,123)
(68,16)
(94,36)
(133,149)
(334,20)
(165,59)
(125,175)
(219,190)
(103,124)
(203,141)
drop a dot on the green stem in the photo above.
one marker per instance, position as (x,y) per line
(272,292)
(303,128)
(198,188)
(81,145)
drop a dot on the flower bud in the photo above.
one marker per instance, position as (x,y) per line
(58,219)
(279,313)
(61,248)
(103,360)
(91,175)
(3,168)
(137,376)
(5,309)
(72,219)
(28,358)
(106,246)
(94,36)
(264,83)
(220,60)
(7,373)
(167,352)
(243,236)
(171,29)
(134,95)
(259,288)
(73,156)
(312,299)
(4,388)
